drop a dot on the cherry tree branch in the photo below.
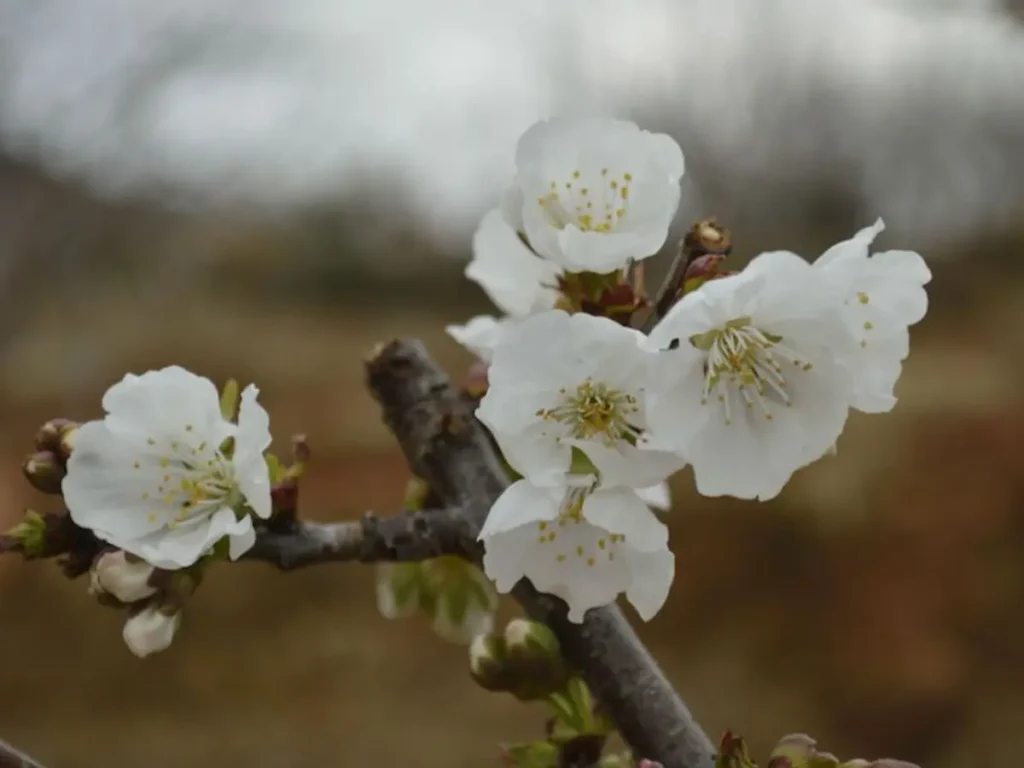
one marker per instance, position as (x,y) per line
(12,758)
(450,450)
(403,537)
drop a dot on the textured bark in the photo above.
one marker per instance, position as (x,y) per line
(450,450)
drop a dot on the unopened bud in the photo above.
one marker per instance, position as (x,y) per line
(124,577)
(700,270)
(534,660)
(151,630)
(45,471)
(49,435)
(300,449)
(487,662)
(799,750)
(707,236)
(67,442)
(531,640)
(476,381)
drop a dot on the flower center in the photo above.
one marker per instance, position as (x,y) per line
(191,479)
(742,358)
(595,411)
(595,204)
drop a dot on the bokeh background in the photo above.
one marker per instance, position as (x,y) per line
(263,190)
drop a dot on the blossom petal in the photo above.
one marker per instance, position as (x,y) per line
(622,511)
(480,335)
(514,277)
(651,575)
(656,496)
(251,440)
(522,503)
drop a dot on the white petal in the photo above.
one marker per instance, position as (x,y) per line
(251,440)
(241,538)
(522,503)
(856,247)
(754,457)
(628,466)
(511,207)
(515,278)
(103,490)
(150,631)
(506,555)
(183,545)
(656,496)
(621,510)
(535,454)
(165,401)
(651,578)
(577,568)
(480,335)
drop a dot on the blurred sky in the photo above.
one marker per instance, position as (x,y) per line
(911,109)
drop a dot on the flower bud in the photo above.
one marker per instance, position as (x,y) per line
(800,751)
(534,660)
(67,441)
(150,631)
(487,662)
(124,578)
(49,435)
(531,640)
(45,471)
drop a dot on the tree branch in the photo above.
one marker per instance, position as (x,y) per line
(12,758)
(450,450)
(406,536)
(705,238)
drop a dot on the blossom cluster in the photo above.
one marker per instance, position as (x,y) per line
(163,479)
(745,376)
(749,377)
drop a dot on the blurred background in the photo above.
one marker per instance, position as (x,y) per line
(263,190)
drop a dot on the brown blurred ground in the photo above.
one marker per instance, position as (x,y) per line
(878,603)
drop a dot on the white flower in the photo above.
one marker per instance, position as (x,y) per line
(596,192)
(884,295)
(150,631)
(751,384)
(516,280)
(127,580)
(560,382)
(155,478)
(586,548)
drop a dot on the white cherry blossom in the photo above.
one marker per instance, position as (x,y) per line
(516,280)
(751,383)
(164,476)
(585,547)
(596,192)
(884,295)
(151,630)
(562,385)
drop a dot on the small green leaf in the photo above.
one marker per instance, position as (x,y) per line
(538,754)
(30,533)
(274,467)
(229,400)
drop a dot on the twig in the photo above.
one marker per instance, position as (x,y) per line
(407,536)
(450,450)
(704,237)
(12,758)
